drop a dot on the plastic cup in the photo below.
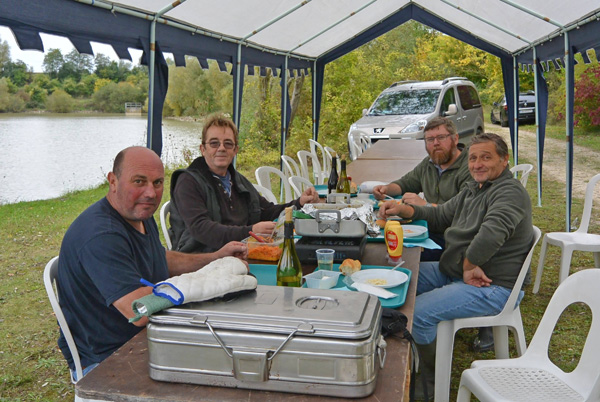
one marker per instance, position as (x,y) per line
(325,259)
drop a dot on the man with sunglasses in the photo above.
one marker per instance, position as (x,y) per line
(212,203)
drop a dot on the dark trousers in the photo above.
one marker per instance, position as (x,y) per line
(434,255)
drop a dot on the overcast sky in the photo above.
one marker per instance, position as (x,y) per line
(35,58)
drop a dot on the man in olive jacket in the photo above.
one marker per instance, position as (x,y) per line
(488,232)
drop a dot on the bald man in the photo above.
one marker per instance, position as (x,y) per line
(106,251)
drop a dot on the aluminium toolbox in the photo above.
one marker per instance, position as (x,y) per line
(329,223)
(285,339)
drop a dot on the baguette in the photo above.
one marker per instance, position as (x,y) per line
(349,266)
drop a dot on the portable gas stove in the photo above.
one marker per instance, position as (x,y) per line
(345,247)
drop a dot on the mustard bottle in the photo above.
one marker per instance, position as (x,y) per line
(394,238)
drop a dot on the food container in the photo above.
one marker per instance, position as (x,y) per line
(329,223)
(321,279)
(269,251)
(308,341)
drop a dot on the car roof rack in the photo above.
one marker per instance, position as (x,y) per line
(447,80)
(402,82)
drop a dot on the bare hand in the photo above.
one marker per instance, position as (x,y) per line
(234,249)
(310,195)
(393,208)
(413,199)
(264,227)
(379,192)
(476,277)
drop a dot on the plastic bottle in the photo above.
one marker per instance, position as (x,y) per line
(343,185)
(289,269)
(394,240)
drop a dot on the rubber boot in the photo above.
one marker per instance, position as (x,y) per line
(484,341)
(427,369)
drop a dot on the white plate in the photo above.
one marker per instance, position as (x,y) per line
(391,278)
(413,230)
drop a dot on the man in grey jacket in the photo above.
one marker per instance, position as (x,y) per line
(488,232)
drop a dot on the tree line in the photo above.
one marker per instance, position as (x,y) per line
(411,51)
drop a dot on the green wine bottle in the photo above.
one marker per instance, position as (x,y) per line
(289,269)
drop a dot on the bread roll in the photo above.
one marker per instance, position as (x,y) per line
(381,223)
(349,266)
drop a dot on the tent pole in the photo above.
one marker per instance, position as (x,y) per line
(569,126)
(537,126)
(314,102)
(515,115)
(284,105)
(151,62)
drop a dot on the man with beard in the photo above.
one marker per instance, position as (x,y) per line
(440,176)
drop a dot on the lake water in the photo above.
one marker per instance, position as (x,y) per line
(44,156)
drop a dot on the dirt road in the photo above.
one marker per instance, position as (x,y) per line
(585,165)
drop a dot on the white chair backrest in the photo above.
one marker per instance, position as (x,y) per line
(50,276)
(329,152)
(581,287)
(263,177)
(355,150)
(514,294)
(265,192)
(365,141)
(524,169)
(587,205)
(305,157)
(299,184)
(164,215)
(326,163)
(290,166)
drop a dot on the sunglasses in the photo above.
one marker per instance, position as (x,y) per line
(216,144)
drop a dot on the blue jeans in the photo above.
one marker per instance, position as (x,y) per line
(442,298)
(85,371)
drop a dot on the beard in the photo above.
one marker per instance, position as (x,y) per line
(441,156)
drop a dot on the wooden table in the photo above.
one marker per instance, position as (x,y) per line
(123,376)
(396,149)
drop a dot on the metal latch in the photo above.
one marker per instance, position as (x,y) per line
(331,224)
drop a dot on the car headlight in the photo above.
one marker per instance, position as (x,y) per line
(415,127)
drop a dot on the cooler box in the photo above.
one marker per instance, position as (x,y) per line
(308,341)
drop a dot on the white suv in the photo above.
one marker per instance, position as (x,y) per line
(403,110)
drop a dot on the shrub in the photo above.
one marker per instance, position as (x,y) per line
(59,102)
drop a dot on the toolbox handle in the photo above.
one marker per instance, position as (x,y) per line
(203,320)
(324,224)
(381,351)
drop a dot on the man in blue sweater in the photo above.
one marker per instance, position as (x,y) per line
(488,232)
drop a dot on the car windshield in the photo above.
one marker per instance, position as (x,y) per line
(419,101)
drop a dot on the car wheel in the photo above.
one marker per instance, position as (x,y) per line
(504,123)
(492,119)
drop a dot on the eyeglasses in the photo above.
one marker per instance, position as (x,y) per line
(440,138)
(216,144)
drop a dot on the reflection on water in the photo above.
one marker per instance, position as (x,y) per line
(44,156)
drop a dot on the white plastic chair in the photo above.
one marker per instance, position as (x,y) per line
(263,177)
(265,192)
(509,317)
(299,184)
(290,166)
(304,157)
(533,376)
(325,163)
(524,169)
(570,241)
(50,275)
(164,215)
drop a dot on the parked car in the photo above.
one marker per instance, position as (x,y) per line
(403,110)
(499,113)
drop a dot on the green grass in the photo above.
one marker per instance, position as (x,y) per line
(31,232)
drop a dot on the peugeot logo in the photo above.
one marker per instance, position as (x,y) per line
(378,130)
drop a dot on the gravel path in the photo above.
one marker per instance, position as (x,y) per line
(586,162)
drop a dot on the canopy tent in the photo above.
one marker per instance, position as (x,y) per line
(293,36)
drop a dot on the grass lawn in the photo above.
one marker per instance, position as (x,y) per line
(31,232)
